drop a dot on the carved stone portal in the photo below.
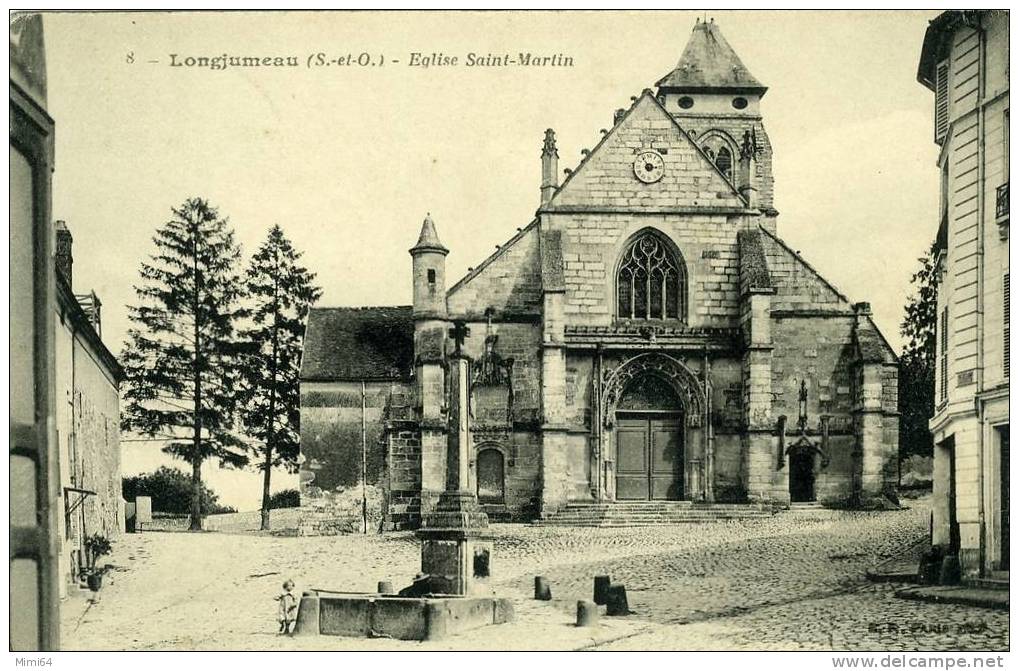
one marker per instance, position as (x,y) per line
(684,382)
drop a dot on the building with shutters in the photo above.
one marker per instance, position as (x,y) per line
(964,62)
(647,336)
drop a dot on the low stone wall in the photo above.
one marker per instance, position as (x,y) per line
(165,522)
(251,520)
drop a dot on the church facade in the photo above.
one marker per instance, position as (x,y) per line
(648,336)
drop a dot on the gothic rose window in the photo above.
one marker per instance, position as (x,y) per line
(651,283)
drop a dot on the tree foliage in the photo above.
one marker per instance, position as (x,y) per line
(181,358)
(285,498)
(917,363)
(170,490)
(281,292)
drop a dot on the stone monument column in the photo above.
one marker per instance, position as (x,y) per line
(455,550)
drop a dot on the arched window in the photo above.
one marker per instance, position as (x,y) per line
(722,150)
(724,162)
(651,282)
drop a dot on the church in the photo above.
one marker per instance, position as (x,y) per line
(648,336)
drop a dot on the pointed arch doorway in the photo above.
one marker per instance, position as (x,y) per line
(649,441)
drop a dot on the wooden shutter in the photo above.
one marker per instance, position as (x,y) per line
(941,102)
(1005,320)
(944,354)
(34,472)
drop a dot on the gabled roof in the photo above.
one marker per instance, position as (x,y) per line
(708,63)
(782,283)
(347,344)
(621,121)
(500,250)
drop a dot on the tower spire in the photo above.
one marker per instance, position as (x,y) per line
(709,64)
(429,238)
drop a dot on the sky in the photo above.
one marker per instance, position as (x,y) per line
(348,159)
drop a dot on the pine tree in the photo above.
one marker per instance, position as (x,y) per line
(917,363)
(181,358)
(282,292)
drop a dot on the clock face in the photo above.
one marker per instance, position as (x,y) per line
(649,166)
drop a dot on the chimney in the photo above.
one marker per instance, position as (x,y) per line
(549,167)
(747,167)
(63,257)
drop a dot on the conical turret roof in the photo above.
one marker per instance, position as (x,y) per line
(429,238)
(708,63)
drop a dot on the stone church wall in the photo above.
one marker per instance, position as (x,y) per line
(820,351)
(729,469)
(734,128)
(521,451)
(579,369)
(592,244)
(518,341)
(403,476)
(509,281)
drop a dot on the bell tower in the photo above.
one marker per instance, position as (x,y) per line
(715,98)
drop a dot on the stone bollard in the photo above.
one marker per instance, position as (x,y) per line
(951,573)
(542,592)
(616,604)
(386,587)
(601,589)
(587,614)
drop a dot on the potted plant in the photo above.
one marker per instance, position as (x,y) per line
(96,546)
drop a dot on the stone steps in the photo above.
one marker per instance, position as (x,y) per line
(652,513)
(989,583)
(808,505)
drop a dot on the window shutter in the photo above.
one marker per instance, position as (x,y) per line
(1005,321)
(944,354)
(941,103)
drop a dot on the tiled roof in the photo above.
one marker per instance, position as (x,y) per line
(708,62)
(373,343)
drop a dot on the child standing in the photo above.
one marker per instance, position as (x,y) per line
(288,608)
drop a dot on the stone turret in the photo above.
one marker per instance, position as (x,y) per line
(429,271)
(429,313)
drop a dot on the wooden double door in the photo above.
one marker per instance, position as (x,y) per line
(649,456)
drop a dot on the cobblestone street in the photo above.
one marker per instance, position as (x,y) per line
(794,581)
